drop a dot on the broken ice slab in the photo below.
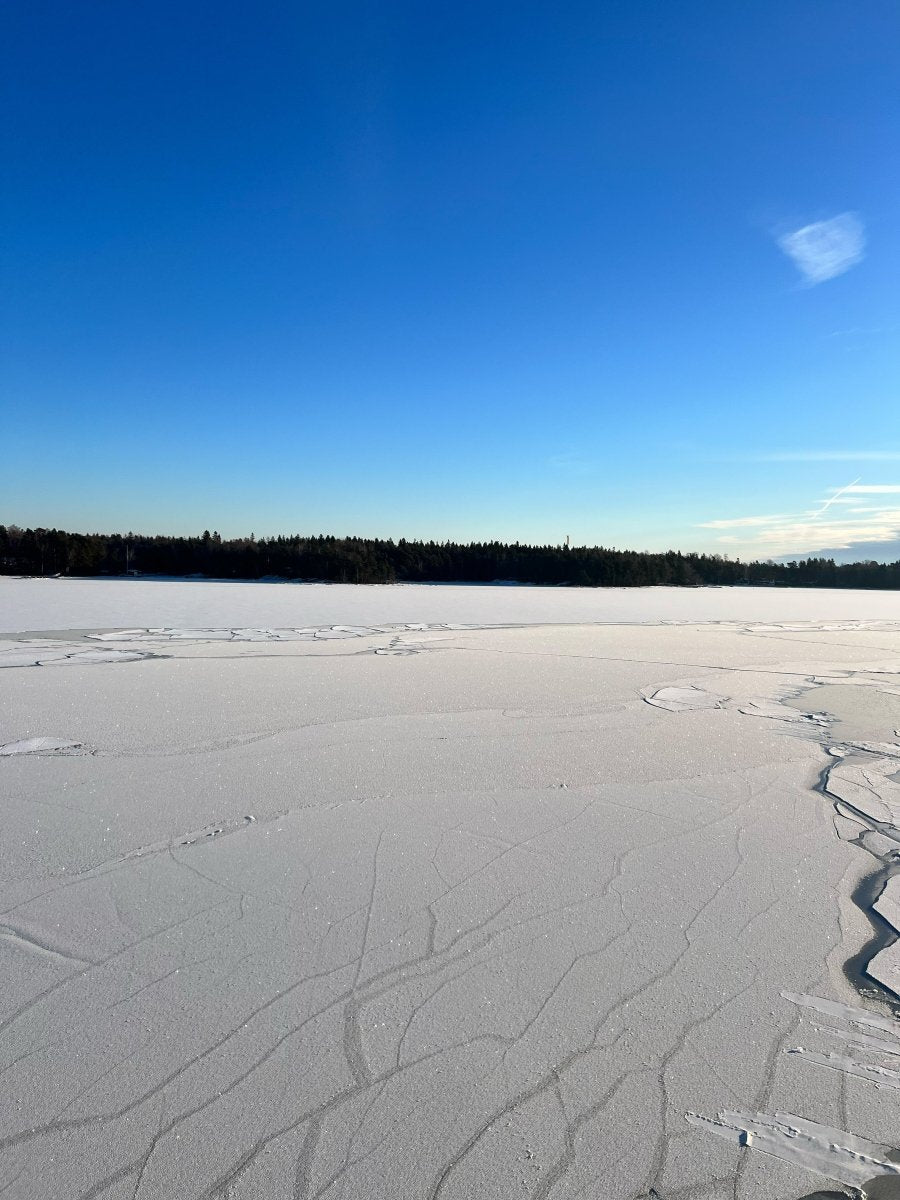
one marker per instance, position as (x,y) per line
(684,699)
(39,745)
(833,1153)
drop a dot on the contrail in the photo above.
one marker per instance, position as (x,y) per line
(831,499)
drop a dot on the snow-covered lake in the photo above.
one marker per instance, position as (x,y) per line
(39,604)
(432,893)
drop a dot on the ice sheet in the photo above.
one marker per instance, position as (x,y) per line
(37,604)
(427,909)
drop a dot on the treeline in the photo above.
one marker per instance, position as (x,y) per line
(372,560)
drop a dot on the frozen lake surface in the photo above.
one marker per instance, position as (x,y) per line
(37,604)
(409,893)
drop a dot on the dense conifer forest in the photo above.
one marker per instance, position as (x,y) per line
(372,560)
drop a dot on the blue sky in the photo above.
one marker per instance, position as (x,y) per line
(622,271)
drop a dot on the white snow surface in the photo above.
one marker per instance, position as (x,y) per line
(40,604)
(412,893)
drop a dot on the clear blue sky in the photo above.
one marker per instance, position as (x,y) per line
(625,270)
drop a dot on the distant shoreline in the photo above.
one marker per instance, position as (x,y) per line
(139,577)
(326,559)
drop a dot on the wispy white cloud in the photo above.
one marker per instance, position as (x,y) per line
(806,537)
(857,331)
(825,249)
(570,463)
(735,522)
(835,498)
(830,456)
(818,528)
